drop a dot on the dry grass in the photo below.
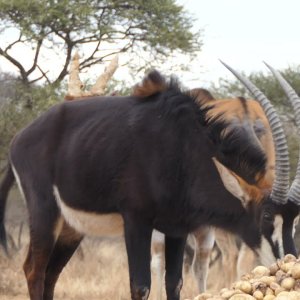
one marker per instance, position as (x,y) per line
(101,274)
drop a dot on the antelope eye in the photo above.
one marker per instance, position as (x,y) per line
(267,217)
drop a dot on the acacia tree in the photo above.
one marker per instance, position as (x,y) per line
(151,30)
(19,105)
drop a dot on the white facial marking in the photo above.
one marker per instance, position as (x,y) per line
(231,183)
(277,234)
(265,253)
(58,228)
(18,182)
(90,223)
(296,221)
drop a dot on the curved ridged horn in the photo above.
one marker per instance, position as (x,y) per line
(281,184)
(101,83)
(294,193)
(75,85)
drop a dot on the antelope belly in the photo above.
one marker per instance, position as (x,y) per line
(90,223)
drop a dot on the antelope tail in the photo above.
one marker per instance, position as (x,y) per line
(5,186)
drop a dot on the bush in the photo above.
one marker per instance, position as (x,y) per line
(20,107)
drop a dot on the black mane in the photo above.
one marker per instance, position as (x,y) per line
(237,148)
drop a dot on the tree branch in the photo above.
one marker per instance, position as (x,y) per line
(37,52)
(91,57)
(42,76)
(64,71)
(14,43)
(15,63)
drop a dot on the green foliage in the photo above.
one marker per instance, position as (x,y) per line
(151,30)
(20,108)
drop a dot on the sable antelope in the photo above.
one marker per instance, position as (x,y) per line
(143,162)
(204,237)
(234,111)
(245,254)
(202,240)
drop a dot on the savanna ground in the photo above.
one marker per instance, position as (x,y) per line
(98,271)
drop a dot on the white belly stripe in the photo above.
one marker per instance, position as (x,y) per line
(90,223)
(265,252)
(277,234)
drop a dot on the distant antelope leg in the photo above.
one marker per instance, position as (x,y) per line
(205,239)
(158,260)
(226,242)
(64,248)
(246,260)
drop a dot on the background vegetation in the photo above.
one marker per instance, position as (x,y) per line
(148,31)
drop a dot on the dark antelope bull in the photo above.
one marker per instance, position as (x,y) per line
(142,162)
(201,261)
(236,112)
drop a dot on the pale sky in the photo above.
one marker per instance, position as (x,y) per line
(243,34)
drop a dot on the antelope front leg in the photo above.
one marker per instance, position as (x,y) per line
(174,260)
(138,244)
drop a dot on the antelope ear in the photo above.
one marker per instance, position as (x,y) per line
(231,183)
